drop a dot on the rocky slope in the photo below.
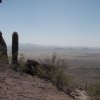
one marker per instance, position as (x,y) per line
(25,87)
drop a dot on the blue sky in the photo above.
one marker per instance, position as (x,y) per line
(52,22)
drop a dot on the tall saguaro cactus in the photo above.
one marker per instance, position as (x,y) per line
(15,48)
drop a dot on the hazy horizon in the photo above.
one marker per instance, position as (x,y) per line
(52,22)
(57,46)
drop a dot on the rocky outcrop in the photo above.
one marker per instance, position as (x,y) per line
(80,95)
(3,50)
(31,67)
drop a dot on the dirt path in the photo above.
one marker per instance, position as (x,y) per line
(14,87)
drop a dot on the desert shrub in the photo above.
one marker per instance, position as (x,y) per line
(12,67)
(55,70)
(47,67)
(20,66)
(64,82)
(94,89)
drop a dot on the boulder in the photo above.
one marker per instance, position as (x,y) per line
(31,67)
(3,50)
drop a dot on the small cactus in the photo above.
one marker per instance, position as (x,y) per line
(15,48)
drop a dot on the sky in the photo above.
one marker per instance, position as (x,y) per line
(52,22)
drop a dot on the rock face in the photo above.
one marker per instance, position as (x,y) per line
(3,50)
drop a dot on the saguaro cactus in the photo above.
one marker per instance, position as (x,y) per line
(15,48)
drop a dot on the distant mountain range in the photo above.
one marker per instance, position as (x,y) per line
(34,48)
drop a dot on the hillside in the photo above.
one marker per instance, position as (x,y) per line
(25,87)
